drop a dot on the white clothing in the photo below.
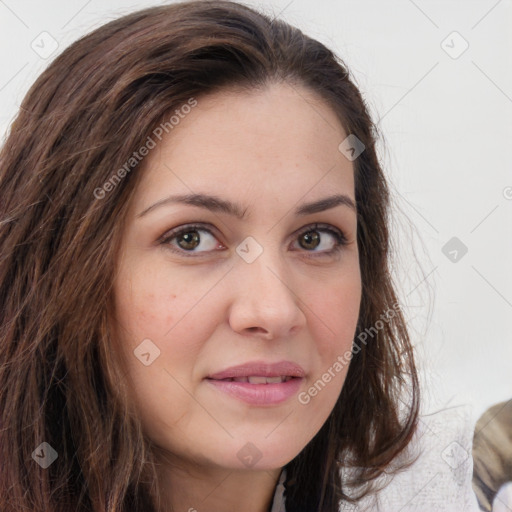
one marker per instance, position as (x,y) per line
(503,500)
(440,480)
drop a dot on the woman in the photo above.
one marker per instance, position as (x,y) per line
(197,308)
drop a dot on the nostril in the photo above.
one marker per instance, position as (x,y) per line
(256,329)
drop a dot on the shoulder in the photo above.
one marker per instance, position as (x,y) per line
(503,499)
(492,452)
(440,478)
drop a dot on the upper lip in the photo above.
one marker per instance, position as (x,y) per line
(262,369)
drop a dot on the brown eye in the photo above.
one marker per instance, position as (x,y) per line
(326,237)
(190,239)
(311,240)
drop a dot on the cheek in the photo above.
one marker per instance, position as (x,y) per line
(147,304)
(333,322)
(336,311)
(173,314)
(155,310)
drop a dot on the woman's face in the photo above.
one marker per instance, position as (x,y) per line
(256,286)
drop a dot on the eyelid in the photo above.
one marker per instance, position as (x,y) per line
(199,226)
(321,226)
(337,233)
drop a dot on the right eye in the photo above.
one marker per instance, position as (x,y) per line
(186,239)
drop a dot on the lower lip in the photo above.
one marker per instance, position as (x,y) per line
(259,394)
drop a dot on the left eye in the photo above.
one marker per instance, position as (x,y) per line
(313,240)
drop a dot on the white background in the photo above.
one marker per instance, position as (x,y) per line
(447,127)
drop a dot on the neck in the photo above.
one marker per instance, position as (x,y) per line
(200,488)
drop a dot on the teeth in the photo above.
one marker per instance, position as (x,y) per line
(256,379)
(272,380)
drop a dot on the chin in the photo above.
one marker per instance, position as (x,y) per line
(258,455)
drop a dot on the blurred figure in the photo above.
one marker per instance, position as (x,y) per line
(492,454)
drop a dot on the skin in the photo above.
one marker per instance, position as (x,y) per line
(270,150)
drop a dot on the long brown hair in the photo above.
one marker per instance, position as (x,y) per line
(60,383)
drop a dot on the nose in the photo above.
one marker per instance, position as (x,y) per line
(265,303)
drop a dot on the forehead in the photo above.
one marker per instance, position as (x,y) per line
(277,142)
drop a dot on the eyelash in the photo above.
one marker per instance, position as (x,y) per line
(338,235)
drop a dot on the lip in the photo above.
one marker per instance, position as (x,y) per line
(262,368)
(259,394)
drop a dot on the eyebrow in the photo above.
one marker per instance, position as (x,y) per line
(216,204)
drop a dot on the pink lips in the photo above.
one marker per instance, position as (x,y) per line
(259,393)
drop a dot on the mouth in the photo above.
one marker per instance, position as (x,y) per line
(256,379)
(259,370)
(259,383)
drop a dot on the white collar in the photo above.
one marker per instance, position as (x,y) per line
(278,503)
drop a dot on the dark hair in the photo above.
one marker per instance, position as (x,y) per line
(59,380)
